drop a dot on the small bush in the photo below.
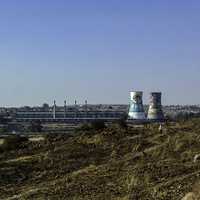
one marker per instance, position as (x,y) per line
(90,129)
(98,125)
(3,129)
(53,137)
(122,123)
(84,127)
(12,142)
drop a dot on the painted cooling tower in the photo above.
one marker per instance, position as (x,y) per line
(155,107)
(136,110)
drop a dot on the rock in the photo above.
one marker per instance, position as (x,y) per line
(189,196)
(160,128)
(196,158)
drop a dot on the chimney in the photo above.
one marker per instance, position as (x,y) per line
(76,108)
(86,108)
(54,109)
(65,109)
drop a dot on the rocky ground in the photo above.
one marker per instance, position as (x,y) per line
(114,163)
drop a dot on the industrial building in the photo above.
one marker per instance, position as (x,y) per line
(86,113)
(75,113)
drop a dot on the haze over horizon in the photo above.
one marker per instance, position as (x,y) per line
(99,51)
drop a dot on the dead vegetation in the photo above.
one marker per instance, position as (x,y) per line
(111,163)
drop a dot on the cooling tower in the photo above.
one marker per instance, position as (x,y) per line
(155,107)
(136,110)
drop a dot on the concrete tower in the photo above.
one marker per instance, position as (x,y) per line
(136,110)
(65,109)
(86,108)
(76,109)
(54,109)
(155,107)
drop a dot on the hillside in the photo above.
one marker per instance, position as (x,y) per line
(114,163)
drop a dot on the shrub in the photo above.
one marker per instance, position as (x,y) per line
(12,142)
(98,125)
(122,123)
(3,129)
(53,137)
(84,127)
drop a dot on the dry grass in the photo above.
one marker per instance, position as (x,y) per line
(114,163)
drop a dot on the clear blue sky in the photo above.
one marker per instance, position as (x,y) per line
(99,50)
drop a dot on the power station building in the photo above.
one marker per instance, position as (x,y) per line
(85,113)
(70,113)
